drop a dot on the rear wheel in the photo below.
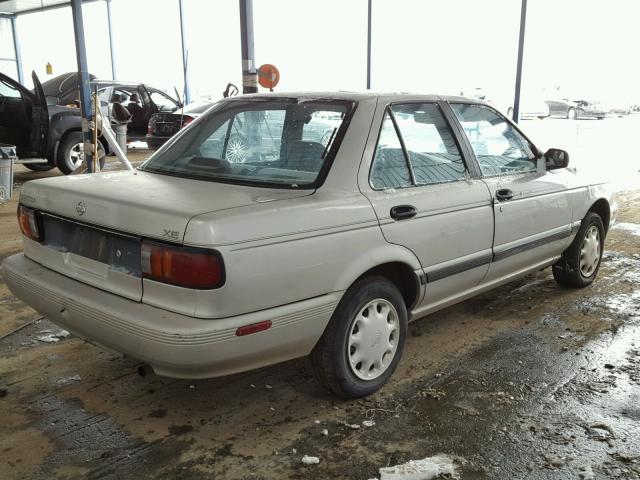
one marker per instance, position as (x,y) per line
(572,114)
(363,342)
(71,154)
(580,263)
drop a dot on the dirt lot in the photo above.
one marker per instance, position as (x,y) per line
(526,381)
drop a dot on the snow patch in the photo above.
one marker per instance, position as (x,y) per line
(625,304)
(68,380)
(425,469)
(308,460)
(634,228)
(53,337)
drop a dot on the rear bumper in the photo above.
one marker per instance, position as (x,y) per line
(174,345)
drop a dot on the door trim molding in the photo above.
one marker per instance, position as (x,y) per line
(439,273)
(501,254)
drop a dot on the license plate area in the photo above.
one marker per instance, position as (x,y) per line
(117,251)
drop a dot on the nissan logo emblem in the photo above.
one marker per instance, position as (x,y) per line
(81,208)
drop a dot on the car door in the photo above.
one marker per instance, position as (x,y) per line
(427,199)
(532,210)
(40,117)
(15,120)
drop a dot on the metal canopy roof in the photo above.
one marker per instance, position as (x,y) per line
(18,7)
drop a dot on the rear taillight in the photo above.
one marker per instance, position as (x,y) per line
(29,223)
(186,121)
(188,267)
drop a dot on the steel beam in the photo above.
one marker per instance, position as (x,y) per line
(111,49)
(85,83)
(185,56)
(16,49)
(369,9)
(516,100)
(249,71)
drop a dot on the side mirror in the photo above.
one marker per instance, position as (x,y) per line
(556,158)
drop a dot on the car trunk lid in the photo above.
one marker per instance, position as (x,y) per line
(93,224)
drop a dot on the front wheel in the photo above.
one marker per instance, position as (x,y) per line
(39,167)
(572,114)
(363,342)
(580,263)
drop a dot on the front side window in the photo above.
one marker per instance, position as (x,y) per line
(498,146)
(9,91)
(430,149)
(279,142)
(162,101)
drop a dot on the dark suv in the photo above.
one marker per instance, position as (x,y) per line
(46,122)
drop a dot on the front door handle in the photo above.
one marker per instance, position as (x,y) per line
(403,212)
(504,194)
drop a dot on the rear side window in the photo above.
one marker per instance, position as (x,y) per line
(422,145)
(390,168)
(498,146)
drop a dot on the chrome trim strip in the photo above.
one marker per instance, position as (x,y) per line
(509,252)
(459,267)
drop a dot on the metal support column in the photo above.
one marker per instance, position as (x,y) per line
(111,49)
(16,49)
(85,83)
(249,72)
(369,44)
(516,101)
(185,56)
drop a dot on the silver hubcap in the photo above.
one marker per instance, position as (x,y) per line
(373,339)
(590,252)
(76,155)
(236,150)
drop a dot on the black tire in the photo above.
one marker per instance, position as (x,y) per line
(39,167)
(67,151)
(568,271)
(331,357)
(572,114)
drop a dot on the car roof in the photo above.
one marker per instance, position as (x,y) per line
(359,96)
(115,83)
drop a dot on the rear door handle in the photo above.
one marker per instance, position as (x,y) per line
(504,194)
(403,212)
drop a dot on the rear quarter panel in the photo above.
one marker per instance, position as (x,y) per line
(280,254)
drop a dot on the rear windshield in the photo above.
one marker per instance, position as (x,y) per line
(284,143)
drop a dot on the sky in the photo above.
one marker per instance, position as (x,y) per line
(573,48)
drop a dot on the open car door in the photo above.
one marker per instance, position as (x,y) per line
(40,119)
